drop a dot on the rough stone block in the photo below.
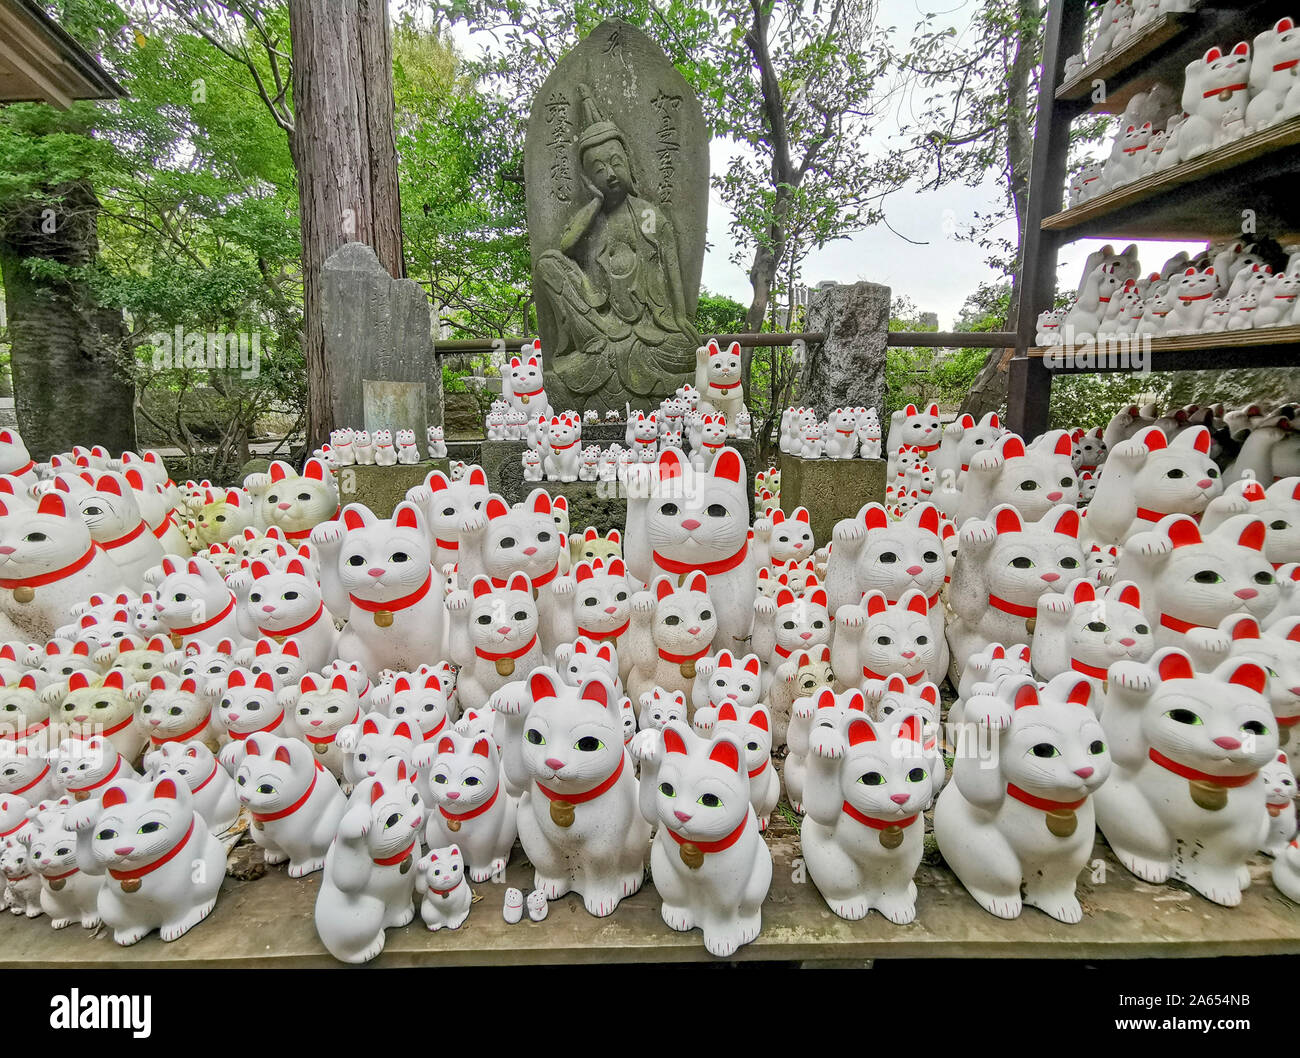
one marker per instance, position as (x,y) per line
(848,369)
(831,489)
(383,488)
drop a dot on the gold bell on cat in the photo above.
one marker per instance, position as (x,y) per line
(24,593)
(384,618)
(691,855)
(505,666)
(130,885)
(1210,796)
(562,813)
(891,836)
(1062,824)
(453,825)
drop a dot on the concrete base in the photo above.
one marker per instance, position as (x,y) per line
(831,489)
(383,488)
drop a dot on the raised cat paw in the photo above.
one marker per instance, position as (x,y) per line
(643,602)
(827,743)
(848,531)
(458,602)
(645,745)
(1131,675)
(976,533)
(327,534)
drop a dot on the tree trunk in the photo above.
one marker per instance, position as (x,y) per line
(65,347)
(344,149)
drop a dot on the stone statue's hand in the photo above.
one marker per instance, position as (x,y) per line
(596,192)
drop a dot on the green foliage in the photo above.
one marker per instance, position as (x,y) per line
(718,314)
(1090,400)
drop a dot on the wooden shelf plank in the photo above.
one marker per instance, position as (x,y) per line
(1266,347)
(1114,63)
(1156,221)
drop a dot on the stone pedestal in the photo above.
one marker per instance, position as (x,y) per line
(848,369)
(831,489)
(383,488)
(395,406)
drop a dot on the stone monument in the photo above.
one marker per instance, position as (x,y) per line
(848,369)
(616,168)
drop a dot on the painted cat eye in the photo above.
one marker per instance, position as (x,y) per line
(1254,727)
(1207,576)
(666,788)
(1045,750)
(872,778)
(152,827)
(916,775)
(668,510)
(589,744)
(106,835)
(1021,562)
(1183,716)
(1097,747)
(535,737)
(710,800)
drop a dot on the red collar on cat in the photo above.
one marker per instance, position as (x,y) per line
(22,469)
(545,578)
(1148,515)
(1225,88)
(270,817)
(1229,781)
(447,545)
(320,740)
(1013,608)
(10,833)
(160,530)
(280,634)
(441,724)
(530,393)
(916,677)
(1178,624)
(241,735)
(761,768)
(710,846)
(1095,671)
(682,659)
(54,575)
(388,861)
(60,877)
(393,605)
(23,789)
(605,635)
(722,565)
(109,545)
(206,624)
(183,737)
(1285,65)
(117,766)
(149,868)
(460,817)
(487,655)
(723,385)
(873,822)
(561,448)
(590,795)
(1042,803)
(211,775)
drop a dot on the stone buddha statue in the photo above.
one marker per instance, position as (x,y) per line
(614,284)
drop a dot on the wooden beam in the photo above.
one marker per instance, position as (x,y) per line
(37,76)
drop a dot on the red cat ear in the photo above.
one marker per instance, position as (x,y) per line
(481,586)
(52,504)
(446,745)
(673,741)
(1080,693)
(404,730)
(1153,439)
(785,597)
(114,679)
(1063,445)
(857,702)
(477,476)
(282,755)
(482,747)
(407,516)
(165,788)
(728,466)
(874,603)
(617,568)
(1201,440)
(542,502)
(264,682)
(911,727)
(874,516)
(1007,520)
(929,693)
(596,691)
(540,686)
(1130,595)
(1241,49)
(861,731)
(663,588)
(751,665)
(727,711)
(758,719)
(1026,696)
(778,517)
(999,651)
(1082,591)
(1175,666)
(966,421)
(1067,524)
(314,470)
(369,727)
(520,582)
(818,596)
(1253,536)
(1249,674)
(910,411)
(916,603)
(376,792)
(108,483)
(726,753)
(1013,447)
(235,679)
(352,518)
(496,508)
(604,653)
(114,795)
(259,569)
(1245,627)
(826,698)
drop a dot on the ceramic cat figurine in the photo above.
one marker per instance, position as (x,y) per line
(1147,478)
(1279,785)
(177,713)
(820,708)
(564,441)
(1029,820)
(446,504)
(247,702)
(915,427)
(1033,480)
(366,747)
(1286,870)
(378,573)
(672,628)
(48,562)
(602,606)
(1003,566)
(1212,86)
(385,450)
(408,453)
(522,384)
(1085,631)
(440,881)
(22,884)
(102,706)
(295,503)
(1191,583)
(784,538)
(590,545)
(725,677)
(752,730)
(718,377)
(469,805)
(1274,647)
(283,602)
(14,458)
(24,770)
(211,787)
(585,657)
(578,818)
(493,635)
(679,521)
(435,443)
(713,438)
(163,865)
(83,768)
(877,638)
(866,788)
(108,506)
(1184,800)
(711,867)
(369,878)
(68,893)
(194,604)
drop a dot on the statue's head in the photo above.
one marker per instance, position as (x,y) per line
(608,167)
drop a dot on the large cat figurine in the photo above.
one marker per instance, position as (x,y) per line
(1147,478)
(711,866)
(446,504)
(1085,630)
(718,377)
(911,426)
(109,508)
(602,606)
(370,868)
(1032,479)
(48,562)
(295,503)
(578,819)
(1026,820)
(493,636)
(163,867)
(680,522)
(378,573)
(522,385)
(469,805)
(1184,801)
(867,786)
(672,629)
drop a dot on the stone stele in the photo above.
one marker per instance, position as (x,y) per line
(616,168)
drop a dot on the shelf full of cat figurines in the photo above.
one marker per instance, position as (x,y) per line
(403,706)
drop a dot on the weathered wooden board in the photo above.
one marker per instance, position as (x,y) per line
(268,922)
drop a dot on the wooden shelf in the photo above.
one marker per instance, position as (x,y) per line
(1266,347)
(1171,208)
(1115,63)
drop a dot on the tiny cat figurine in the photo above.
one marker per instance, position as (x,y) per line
(83,768)
(713,438)
(709,862)
(408,453)
(584,657)
(658,707)
(672,628)
(435,443)
(1003,566)
(591,545)
(22,884)
(469,805)
(342,447)
(210,785)
(878,639)
(532,464)
(377,573)
(1027,821)
(803,675)
(1279,786)
(446,503)
(563,447)
(68,893)
(440,880)
(1085,631)
(284,602)
(194,604)
(718,378)
(789,623)
(1184,801)
(821,708)
(589,468)
(842,434)
(48,562)
(867,785)
(682,522)
(385,452)
(578,819)
(522,386)
(369,878)
(163,865)
(1032,479)
(753,732)
(911,426)
(642,436)
(24,770)
(721,678)
(602,606)
(812,441)
(493,635)
(247,702)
